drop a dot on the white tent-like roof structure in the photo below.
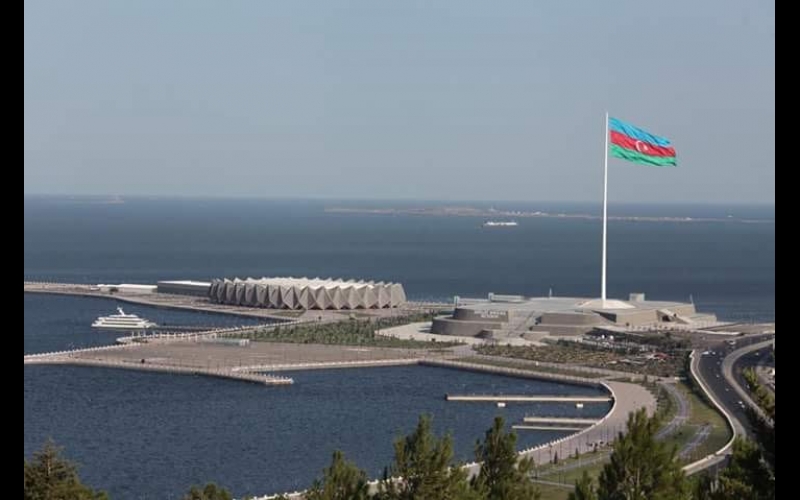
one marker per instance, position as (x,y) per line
(305,293)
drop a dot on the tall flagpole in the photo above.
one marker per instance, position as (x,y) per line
(605,218)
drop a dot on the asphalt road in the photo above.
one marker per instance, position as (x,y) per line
(710,366)
(681,415)
(711,370)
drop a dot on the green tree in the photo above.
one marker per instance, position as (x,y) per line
(584,488)
(764,422)
(49,476)
(422,469)
(642,468)
(761,395)
(341,481)
(703,486)
(502,476)
(745,478)
(209,492)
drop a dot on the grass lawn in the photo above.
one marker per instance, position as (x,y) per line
(704,413)
(550,492)
(592,356)
(357,332)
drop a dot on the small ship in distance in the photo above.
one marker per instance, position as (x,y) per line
(494,223)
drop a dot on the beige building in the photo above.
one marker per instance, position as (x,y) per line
(511,315)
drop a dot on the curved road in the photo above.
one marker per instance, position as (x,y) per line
(682,413)
(710,367)
(714,369)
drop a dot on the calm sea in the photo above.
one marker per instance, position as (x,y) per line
(143,435)
(726,267)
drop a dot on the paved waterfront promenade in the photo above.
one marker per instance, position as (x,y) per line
(265,379)
(627,398)
(251,363)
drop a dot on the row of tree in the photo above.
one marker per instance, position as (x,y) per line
(423,470)
(640,468)
(422,459)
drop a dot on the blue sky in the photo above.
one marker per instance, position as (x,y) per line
(447,100)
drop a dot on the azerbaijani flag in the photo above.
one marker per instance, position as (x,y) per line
(634,144)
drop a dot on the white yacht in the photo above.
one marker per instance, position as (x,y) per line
(123,321)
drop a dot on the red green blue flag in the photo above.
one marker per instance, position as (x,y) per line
(636,145)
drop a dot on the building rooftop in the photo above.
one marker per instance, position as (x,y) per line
(558,304)
(507,316)
(327,283)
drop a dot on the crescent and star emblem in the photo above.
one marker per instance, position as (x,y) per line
(641,147)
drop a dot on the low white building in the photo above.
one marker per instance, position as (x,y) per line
(127,288)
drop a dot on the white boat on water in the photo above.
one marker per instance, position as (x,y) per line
(122,321)
(494,223)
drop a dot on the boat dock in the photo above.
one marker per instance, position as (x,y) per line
(523,427)
(573,421)
(507,398)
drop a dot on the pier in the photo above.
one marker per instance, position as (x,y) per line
(566,428)
(82,357)
(555,424)
(501,398)
(561,420)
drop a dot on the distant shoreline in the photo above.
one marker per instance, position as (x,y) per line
(482,212)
